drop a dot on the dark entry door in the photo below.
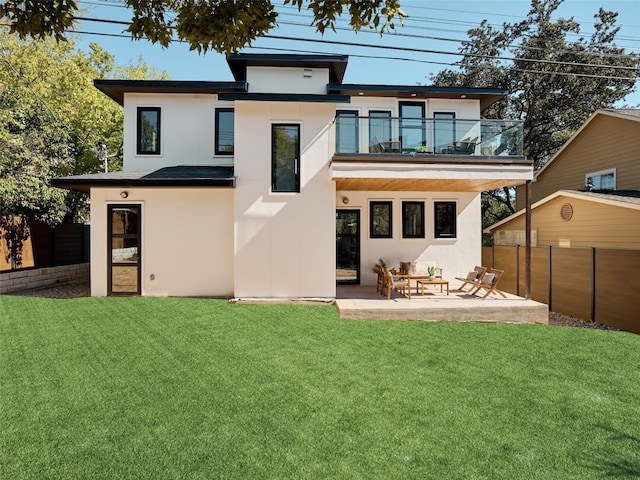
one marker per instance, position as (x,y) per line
(348,246)
(124,250)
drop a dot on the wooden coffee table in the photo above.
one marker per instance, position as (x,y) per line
(421,282)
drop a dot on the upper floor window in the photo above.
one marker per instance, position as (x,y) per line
(148,134)
(285,157)
(604,180)
(444,131)
(347,136)
(379,129)
(413,219)
(224,131)
(445,219)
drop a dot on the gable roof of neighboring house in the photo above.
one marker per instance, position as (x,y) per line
(178,176)
(623,113)
(618,198)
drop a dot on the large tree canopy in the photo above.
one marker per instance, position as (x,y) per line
(554,83)
(219,25)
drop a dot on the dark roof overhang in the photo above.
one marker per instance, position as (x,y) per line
(487,96)
(238,63)
(285,97)
(179,177)
(115,89)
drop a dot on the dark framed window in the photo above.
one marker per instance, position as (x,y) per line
(379,129)
(285,157)
(444,131)
(445,219)
(224,131)
(413,219)
(380,219)
(412,125)
(148,131)
(347,135)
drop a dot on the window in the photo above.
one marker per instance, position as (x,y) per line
(413,219)
(148,138)
(347,138)
(445,219)
(224,131)
(380,218)
(444,131)
(285,157)
(379,129)
(412,133)
(604,180)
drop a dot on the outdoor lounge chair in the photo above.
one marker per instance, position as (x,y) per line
(474,275)
(393,284)
(489,283)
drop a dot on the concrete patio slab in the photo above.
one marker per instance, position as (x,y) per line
(356,302)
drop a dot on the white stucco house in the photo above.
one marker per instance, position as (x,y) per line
(287,181)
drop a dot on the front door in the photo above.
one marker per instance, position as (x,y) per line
(348,246)
(123,277)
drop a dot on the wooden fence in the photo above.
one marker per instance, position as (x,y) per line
(597,284)
(46,246)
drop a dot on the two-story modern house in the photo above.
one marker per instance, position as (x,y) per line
(286,181)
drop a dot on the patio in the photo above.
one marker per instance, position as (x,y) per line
(356,302)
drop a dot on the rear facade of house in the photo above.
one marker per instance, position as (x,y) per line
(287,181)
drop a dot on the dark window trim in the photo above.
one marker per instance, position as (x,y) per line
(413,127)
(373,203)
(217,131)
(421,233)
(139,111)
(436,232)
(297,164)
(452,119)
(356,115)
(110,208)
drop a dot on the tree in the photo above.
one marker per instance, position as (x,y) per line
(52,120)
(553,84)
(219,25)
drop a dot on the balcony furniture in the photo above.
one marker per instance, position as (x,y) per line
(466,146)
(473,276)
(489,283)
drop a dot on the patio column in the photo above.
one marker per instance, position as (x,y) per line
(527,254)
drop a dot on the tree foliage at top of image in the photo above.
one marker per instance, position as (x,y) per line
(218,25)
(555,78)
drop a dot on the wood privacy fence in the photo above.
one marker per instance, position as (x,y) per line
(597,284)
(64,244)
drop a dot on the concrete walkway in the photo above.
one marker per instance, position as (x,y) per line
(365,303)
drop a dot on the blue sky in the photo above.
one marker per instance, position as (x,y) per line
(448,21)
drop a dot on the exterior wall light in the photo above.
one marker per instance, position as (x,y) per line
(345,200)
(124,194)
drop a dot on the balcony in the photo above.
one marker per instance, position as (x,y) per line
(410,136)
(445,154)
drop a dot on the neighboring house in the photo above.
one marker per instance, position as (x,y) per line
(287,180)
(588,194)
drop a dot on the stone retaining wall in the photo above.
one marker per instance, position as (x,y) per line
(43,277)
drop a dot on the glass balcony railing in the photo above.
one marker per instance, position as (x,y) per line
(396,136)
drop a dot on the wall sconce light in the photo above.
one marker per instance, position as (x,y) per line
(124,194)
(345,200)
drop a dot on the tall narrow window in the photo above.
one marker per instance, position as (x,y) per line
(445,219)
(444,131)
(347,135)
(224,131)
(380,219)
(413,219)
(379,130)
(148,135)
(285,157)
(412,131)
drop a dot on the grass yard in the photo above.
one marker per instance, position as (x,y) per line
(190,388)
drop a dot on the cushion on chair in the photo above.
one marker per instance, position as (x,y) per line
(471,276)
(406,268)
(488,279)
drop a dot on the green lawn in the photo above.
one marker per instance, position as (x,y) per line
(189,388)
